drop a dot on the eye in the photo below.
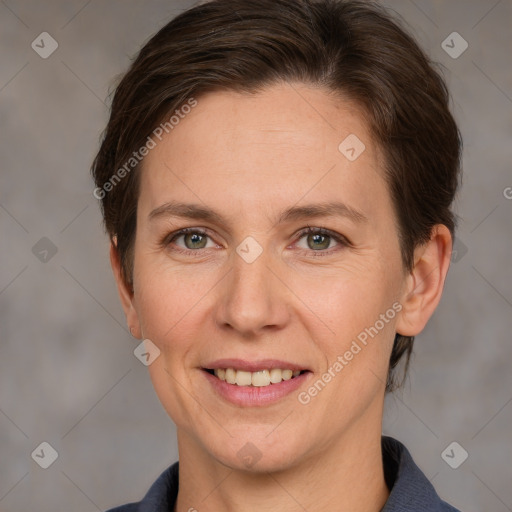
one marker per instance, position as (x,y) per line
(320,239)
(193,240)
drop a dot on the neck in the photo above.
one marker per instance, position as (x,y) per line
(347,477)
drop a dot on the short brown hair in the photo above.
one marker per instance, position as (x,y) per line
(351,47)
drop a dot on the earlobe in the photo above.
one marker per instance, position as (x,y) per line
(425,282)
(125,293)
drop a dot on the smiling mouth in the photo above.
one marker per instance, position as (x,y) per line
(260,378)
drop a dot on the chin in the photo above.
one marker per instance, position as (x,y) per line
(258,454)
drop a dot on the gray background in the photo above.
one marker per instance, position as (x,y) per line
(68,375)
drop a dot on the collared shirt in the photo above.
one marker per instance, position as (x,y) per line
(410,490)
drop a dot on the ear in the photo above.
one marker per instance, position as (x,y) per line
(424,285)
(125,293)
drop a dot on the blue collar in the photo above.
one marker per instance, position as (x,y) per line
(410,489)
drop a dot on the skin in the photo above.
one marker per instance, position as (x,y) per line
(249,157)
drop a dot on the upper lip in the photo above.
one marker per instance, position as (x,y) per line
(253,366)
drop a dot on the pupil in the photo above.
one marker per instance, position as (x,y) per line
(318,238)
(195,238)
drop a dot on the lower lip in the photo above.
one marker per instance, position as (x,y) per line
(253,395)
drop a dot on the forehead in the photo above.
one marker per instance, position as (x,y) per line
(280,144)
(309,119)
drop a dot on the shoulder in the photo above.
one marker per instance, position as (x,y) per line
(410,489)
(161,496)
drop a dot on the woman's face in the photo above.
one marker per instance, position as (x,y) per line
(246,289)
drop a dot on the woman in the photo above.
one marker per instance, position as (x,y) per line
(276,178)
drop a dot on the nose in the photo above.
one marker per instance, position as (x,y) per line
(253,297)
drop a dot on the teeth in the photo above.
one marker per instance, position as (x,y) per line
(260,378)
(287,374)
(243,378)
(275,376)
(230,376)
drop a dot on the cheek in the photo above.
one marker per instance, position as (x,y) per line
(359,306)
(165,297)
(350,299)
(361,313)
(165,305)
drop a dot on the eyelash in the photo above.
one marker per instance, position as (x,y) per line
(341,240)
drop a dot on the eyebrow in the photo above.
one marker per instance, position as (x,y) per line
(200,212)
